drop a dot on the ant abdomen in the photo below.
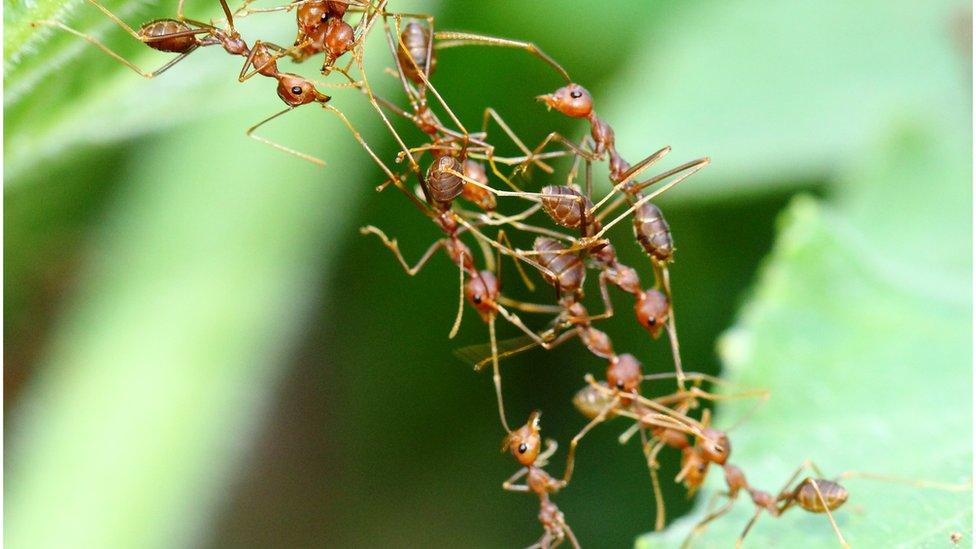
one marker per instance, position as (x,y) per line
(442,180)
(653,233)
(566,206)
(158,35)
(590,400)
(568,271)
(417,39)
(834,495)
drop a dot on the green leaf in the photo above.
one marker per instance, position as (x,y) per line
(62,94)
(780,94)
(860,326)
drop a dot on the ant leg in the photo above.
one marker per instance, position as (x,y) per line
(605,296)
(454,39)
(558,138)
(517,322)
(504,240)
(911,482)
(496,375)
(703,523)
(250,133)
(260,47)
(551,447)
(783,494)
(97,43)
(622,183)
(368,90)
(830,516)
(510,485)
(672,328)
(690,169)
(516,253)
(531,344)
(491,113)
(745,531)
(693,167)
(650,456)
(460,311)
(598,419)
(389,174)
(538,308)
(572,537)
(394,247)
(426,81)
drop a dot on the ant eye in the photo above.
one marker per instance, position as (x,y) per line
(477,299)
(297,90)
(522,448)
(651,321)
(576,94)
(620,384)
(325,16)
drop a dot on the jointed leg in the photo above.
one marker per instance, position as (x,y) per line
(391,243)
(510,485)
(600,418)
(250,133)
(496,375)
(650,457)
(454,39)
(97,43)
(703,523)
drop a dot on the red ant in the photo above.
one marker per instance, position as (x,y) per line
(525,444)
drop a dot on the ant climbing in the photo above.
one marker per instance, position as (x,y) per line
(525,445)
(600,401)
(817,495)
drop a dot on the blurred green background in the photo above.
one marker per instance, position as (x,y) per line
(200,348)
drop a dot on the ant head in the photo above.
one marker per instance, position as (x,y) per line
(694,468)
(525,442)
(652,310)
(572,100)
(481,290)
(296,90)
(624,373)
(715,446)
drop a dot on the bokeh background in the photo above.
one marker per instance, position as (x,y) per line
(200,348)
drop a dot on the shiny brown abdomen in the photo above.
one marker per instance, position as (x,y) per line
(653,233)
(416,38)
(834,495)
(443,185)
(157,35)
(567,271)
(566,206)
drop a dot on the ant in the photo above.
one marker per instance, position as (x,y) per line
(599,401)
(525,445)
(650,228)
(817,495)
(184,36)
